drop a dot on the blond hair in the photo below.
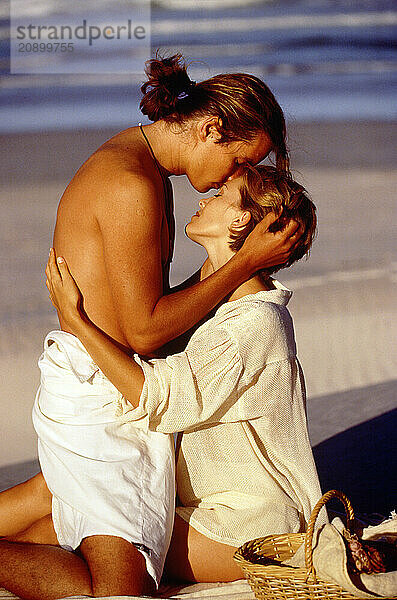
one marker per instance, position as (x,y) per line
(265,189)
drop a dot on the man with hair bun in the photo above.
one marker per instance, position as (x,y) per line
(115,228)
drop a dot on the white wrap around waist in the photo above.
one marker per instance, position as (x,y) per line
(117,475)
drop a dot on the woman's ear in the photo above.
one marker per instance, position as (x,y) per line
(240,221)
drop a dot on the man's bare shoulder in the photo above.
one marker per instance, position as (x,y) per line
(116,177)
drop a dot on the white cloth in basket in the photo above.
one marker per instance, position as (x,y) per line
(330,559)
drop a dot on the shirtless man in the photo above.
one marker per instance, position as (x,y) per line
(115,229)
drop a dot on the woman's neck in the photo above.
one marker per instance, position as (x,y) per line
(219,254)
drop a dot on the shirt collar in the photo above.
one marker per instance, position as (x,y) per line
(280,295)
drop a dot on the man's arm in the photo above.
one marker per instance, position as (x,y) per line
(130,224)
(195,278)
(204,271)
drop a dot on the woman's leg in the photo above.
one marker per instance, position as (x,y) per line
(194,557)
(23,505)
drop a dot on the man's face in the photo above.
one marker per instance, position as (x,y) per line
(212,164)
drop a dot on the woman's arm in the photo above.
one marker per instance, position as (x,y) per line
(119,368)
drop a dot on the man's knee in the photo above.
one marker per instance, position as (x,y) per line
(41,532)
(116,567)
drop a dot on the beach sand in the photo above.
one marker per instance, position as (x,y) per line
(344,302)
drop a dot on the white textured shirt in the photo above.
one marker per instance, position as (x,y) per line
(245,466)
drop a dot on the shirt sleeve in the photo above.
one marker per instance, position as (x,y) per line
(198,386)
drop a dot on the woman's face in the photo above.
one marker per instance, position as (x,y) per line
(216,214)
(211,163)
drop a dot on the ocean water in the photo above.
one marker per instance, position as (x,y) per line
(324,60)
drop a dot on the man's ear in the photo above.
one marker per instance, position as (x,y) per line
(209,129)
(241,221)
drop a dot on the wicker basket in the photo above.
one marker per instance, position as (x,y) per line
(261,560)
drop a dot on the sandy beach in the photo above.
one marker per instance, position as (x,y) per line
(344,303)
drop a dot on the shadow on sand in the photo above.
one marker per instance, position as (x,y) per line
(361,462)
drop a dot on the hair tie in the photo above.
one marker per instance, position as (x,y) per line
(185,93)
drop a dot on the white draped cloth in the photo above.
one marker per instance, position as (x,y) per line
(107,477)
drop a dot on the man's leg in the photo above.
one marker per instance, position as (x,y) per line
(23,505)
(41,572)
(41,532)
(104,565)
(117,568)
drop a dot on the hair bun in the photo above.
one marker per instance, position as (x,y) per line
(168,83)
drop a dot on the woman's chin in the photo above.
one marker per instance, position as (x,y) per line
(189,232)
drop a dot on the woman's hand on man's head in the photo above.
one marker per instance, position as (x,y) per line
(263,248)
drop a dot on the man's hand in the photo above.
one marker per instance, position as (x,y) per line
(264,249)
(64,293)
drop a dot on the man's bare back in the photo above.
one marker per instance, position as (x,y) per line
(100,215)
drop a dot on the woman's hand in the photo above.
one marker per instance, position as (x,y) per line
(264,248)
(122,371)
(64,293)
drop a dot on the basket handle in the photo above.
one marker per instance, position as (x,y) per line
(310,570)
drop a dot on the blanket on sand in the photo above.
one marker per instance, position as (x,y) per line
(236,590)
